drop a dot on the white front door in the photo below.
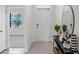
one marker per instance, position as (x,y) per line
(43,24)
(15,26)
(2,28)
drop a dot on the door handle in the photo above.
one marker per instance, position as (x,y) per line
(0,30)
(37,25)
(71,26)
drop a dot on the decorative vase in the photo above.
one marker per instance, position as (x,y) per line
(61,37)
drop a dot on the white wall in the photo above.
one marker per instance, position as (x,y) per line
(53,20)
(59,10)
(28,26)
(56,13)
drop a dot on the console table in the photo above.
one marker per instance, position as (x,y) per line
(59,45)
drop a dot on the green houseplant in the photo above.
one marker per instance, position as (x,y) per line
(64,27)
(57,28)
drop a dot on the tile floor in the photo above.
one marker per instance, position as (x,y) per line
(14,51)
(36,48)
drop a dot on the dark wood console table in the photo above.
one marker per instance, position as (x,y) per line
(60,46)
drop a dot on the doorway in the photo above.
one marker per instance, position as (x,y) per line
(43,43)
(15,29)
(43,24)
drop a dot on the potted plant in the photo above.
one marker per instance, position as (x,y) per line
(64,27)
(57,28)
(64,30)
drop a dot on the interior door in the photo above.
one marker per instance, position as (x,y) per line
(2,28)
(43,24)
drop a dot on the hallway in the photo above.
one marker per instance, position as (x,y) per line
(41,48)
(36,48)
